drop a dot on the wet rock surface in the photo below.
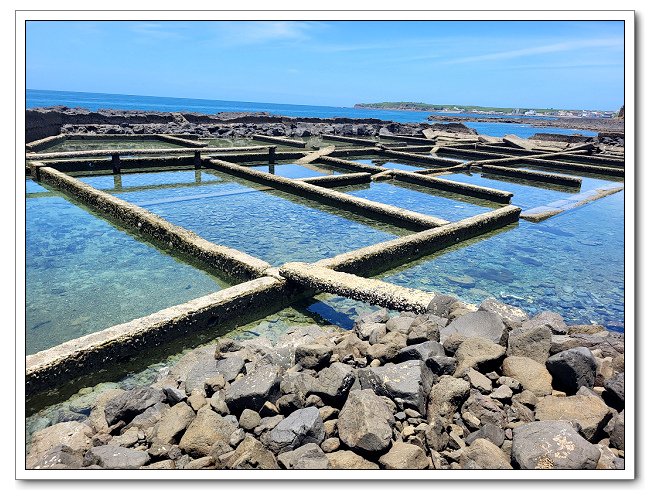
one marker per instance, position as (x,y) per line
(384,395)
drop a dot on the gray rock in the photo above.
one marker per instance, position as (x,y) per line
(589,412)
(63,415)
(572,369)
(552,445)
(330,445)
(204,369)
(615,429)
(116,457)
(218,403)
(608,460)
(351,345)
(76,436)
(225,345)
(348,460)
(407,384)
(549,319)
(200,463)
(534,343)
(230,367)
(249,419)
(489,431)
(334,383)
(379,316)
(502,393)
(442,365)
(130,403)
(298,383)
(174,395)
(237,437)
(441,305)
(309,456)
(289,403)
(478,353)
(483,454)
(404,456)
(365,422)
(422,351)
(424,328)
(372,332)
(481,324)
(59,457)
(510,315)
(486,409)
(207,428)
(251,454)
(173,423)
(400,324)
(532,375)
(301,427)
(615,391)
(253,390)
(478,381)
(314,356)
(435,434)
(446,397)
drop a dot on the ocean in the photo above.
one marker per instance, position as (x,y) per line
(94,102)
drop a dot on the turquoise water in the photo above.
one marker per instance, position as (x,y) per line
(83,274)
(527,194)
(295,171)
(417,199)
(522,130)
(392,165)
(572,264)
(274,226)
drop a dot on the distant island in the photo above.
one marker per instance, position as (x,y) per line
(454,108)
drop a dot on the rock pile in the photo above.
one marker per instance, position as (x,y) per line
(459,387)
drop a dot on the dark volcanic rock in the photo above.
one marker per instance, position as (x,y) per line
(572,369)
(116,457)
(130,403)
(615,392)
(422,351)
(510,315)
(334,383)
(301,427)
(365,422)
(309,456)
(552,445)
(441,305)
(253,390)
(615,429)
(482,324)
(549,319)
(407,383)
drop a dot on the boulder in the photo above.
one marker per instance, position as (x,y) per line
(425,327)
(446,397)
(400,324)
(76,436)
(493,433)
(552,445)
(59,457)
(483,454)
(510,315)
(351,345)
(608,460)
(589,412)
(615,391)
(615,429)
(372,332)
(199,373)
(346,459)
(130,403)
(251,454)
(533,343)
(486,409)
(442,365)
(441,305)
(611,344)
(532,375)
(333,383)
(421,351)
(207,428)
(549,319)
(314,356)
(230,367)
(249,419)
(483,324)
(365,422)
(115,457)
(301,427)
(572,369)
(478,381)
(253,390)
(173,423)
(478,353)
(404,456)
(407,384)
(309,456)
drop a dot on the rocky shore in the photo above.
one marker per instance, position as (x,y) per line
(45,122)
(595,124)
(460,387)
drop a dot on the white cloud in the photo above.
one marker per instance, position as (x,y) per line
(261,32)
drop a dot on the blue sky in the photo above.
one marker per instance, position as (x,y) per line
(572,64)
